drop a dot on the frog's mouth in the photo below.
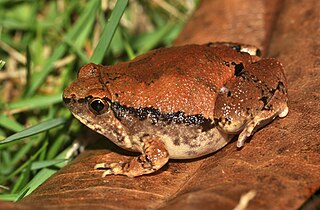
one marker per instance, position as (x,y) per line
(234,126)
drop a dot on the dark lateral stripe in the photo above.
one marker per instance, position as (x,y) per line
(156,116)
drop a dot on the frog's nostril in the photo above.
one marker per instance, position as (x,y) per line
(69,98)
(66,100)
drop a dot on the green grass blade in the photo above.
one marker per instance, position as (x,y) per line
(38,35)
(25,165)
(8,197)
(58,143)
(83,57)
(127,46)
(46,163)
(2,63)
(41,127)
(35,102)
(38,79)
(23,151)
(22,180)
(10,124)
(28,65)
(108,32)
(42,176)
(149,41)
(86,18)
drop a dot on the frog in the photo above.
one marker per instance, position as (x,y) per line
(181,102)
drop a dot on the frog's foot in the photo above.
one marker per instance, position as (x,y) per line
(247,131)
(284,112)
(154,156)
(258,122)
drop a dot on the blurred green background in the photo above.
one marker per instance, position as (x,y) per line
(42,46)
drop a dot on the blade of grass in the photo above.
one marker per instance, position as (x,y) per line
(149,41)
(2,63)
(41,127)
(58,143)
(84,58)
(37,79)
(42,176)
(10,124)
(22,180)
(46,163)
(127,46)
(8,197)
(18,17)
(35,102)
(28,65)
(23,150)
(109,31)
(116,46)
(6,168)
(27,163)
(86,18)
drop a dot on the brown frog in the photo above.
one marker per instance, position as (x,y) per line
(180,102)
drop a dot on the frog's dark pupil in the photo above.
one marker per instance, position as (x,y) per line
(97,105)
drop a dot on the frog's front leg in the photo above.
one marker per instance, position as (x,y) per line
(154,156)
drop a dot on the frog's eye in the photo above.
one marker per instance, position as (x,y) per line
(98,106)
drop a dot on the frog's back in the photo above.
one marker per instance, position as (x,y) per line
(185,78)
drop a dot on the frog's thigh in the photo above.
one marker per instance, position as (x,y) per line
(154,156)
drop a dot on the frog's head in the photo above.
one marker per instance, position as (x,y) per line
(88,98)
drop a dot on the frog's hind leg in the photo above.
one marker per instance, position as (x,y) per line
(154,156)
(250,128)
(263,118)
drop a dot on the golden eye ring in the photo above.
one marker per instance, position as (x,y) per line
(98,106)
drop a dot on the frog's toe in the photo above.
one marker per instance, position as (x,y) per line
(107,172)
(101,166)
(111,168)
(242,138)
(284,112)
